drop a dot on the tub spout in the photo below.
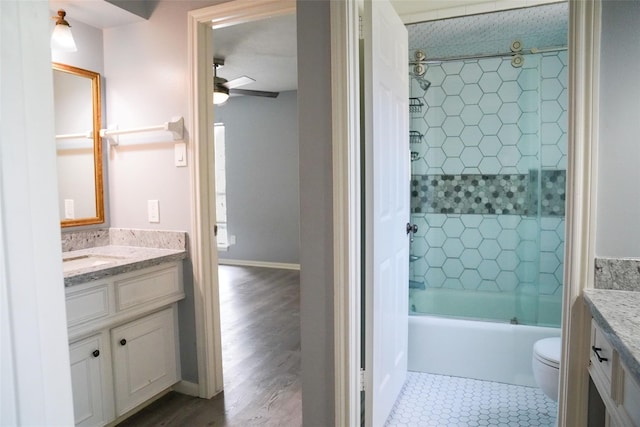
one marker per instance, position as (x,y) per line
(414,284)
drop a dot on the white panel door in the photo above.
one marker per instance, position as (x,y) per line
(387,206)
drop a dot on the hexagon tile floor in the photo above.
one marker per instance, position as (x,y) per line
(442,401)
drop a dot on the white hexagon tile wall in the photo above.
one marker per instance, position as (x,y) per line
(489,166)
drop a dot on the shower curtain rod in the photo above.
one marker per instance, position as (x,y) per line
(488,55)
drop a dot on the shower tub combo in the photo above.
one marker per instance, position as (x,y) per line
(480,349)
(488,154)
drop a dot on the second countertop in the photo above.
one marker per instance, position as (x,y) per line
(618,314)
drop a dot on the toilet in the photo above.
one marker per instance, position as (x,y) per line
(546,365)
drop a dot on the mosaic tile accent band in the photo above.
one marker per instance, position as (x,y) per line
(553,192)
(504,194)
(469,194)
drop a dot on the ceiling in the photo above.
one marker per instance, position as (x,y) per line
(405,8)
(264,50)
(536,27)
(97,13)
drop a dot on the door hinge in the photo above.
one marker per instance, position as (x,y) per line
(361,379)
(360,30)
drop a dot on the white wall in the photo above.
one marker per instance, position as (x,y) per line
(618,212)
(263,211)
(316,212)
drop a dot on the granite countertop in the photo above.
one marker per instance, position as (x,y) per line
(618,314)
(111,260)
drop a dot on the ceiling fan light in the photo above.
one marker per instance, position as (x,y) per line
(220,94)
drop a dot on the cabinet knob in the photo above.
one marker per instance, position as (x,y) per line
(96,353)
(123,342)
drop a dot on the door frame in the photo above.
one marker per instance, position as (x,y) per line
(582,159)
(346,192)
(202,243)
(345,118)
(583,131)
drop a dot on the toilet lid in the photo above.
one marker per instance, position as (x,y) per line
(547,350)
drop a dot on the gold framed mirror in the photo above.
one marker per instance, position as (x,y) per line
(77,105)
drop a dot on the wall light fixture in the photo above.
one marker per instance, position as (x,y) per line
(62,39)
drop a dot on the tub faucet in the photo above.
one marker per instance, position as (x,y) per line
(412,229)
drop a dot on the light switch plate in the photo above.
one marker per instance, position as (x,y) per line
(69,209)
(153,208)
(180,151)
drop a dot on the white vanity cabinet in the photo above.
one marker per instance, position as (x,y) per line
(618,389)
(123,341)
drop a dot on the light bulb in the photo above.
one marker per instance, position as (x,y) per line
(62,39)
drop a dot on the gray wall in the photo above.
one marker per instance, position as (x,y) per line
(316,205)
(147,82)
(618,210)
(261,144)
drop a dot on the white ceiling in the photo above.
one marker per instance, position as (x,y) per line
(405,8)
(540,27)
(96,13)
(264,50)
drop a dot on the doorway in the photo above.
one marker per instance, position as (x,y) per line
(256,177)
(257,219)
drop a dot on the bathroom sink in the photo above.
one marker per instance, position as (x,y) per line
(87,261)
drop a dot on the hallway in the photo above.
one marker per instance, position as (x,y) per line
(261,357)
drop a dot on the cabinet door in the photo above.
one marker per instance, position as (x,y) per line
(630,399)
(89,382)
(144,359)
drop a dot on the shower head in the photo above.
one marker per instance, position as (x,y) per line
(424,83)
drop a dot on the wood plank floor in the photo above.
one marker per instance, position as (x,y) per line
(260,317)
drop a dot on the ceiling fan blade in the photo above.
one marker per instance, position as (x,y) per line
(240,81)
(254,93)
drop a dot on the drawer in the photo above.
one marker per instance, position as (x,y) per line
(87,304)
(137,289)
(601,353)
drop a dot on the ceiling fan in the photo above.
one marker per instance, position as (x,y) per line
(222,88)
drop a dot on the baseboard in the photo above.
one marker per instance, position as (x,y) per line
(188,388)
(244,263)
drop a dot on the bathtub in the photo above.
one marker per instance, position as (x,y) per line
(492,351)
